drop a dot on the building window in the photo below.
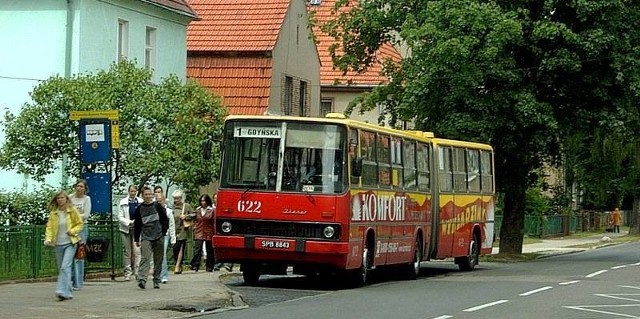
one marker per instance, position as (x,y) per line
(303,99)
(288,95)
(326,106)
(150,49)
(123,40)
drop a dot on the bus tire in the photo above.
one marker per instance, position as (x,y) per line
(251,274)
(360,276)
(469,262)
(413,268)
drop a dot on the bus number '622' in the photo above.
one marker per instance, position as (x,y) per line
(249,206)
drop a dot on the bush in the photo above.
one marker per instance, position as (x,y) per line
(536,204)
(19,209)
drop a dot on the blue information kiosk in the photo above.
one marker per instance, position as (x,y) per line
(99,136)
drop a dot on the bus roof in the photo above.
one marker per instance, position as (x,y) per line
(338,118)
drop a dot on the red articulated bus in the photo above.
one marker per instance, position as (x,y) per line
(333,195)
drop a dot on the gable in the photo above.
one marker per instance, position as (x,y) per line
(235,26)
(329,75)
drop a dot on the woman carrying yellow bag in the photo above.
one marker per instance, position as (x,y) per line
(62,232)
(182,215)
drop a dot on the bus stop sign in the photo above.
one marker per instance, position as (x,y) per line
(95,141)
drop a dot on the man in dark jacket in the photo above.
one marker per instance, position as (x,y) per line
(150,227)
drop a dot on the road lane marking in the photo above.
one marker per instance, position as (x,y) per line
(586,308)
(593,274)
(627,297)
(524,294)
(569,282)
(472,309)
(630,287)
(443,317)
(621,266)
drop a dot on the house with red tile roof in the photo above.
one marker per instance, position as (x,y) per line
(338,89)
(44,38)
(259,56)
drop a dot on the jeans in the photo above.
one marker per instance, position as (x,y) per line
(164,274)
(64,259)
(78,264)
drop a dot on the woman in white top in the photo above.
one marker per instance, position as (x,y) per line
(82,202)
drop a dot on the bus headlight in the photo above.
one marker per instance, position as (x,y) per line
(225,227)
(329,231)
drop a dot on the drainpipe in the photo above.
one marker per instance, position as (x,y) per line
(68,48)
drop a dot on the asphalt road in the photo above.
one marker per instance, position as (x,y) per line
(601,283)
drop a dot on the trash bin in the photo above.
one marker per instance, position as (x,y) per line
(97,248)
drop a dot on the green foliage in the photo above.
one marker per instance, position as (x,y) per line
(162,126)
(524,76)
(536,203)
(18,209)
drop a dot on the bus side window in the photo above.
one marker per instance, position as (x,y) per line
(409,160)
(384,160)
(396,162)
(368,153)
(423,167)
(356,164)
(486,169)
(459,170)
(473,170)
(444,167)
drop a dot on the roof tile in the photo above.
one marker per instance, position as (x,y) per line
(238,25)
(243,82)
(330,75)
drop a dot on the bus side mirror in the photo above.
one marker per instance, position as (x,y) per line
(356,167)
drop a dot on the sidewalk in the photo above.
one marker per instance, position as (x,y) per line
(562,245)
(185,295)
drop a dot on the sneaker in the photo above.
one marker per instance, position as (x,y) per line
(127,278)
(164,281)
(63,298)
(141,284)
(156,285)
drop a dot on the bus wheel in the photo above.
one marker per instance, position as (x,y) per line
(251,274)
(413,268)
(359,276)
(469,262)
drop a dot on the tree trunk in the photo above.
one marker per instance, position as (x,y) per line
(512,229)
(634,223)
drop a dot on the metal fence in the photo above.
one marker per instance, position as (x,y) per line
(563,225)
(23,256)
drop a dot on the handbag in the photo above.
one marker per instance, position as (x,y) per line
(81,251)
(185,223)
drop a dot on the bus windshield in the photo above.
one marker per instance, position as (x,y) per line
(284,156)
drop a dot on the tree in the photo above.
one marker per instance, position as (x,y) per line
(519,75)
(161,127)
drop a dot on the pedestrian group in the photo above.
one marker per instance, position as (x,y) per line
(148,225)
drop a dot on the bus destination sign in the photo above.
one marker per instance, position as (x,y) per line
(257,132)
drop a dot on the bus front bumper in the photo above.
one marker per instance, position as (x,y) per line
(269,249)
